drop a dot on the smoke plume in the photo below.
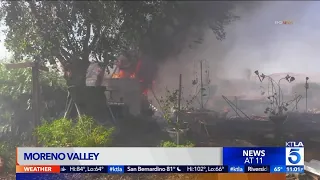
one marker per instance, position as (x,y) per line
(253,42)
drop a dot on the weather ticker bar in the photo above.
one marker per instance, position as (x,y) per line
(288,159)
(151,169)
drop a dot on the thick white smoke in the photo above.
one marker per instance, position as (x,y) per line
(254,42)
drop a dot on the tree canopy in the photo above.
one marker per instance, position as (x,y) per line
(76,32)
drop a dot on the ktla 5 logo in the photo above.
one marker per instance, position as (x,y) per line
(295,156)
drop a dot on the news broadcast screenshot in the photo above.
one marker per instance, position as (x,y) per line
(159,90)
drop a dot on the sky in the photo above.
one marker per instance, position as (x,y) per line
(276,48)
(3,52)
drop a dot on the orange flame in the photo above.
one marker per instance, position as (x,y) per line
(133,75)
(123,74)
(116,76)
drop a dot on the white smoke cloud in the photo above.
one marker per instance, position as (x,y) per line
(260,44)
(253,42)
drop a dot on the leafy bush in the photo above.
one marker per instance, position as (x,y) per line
(169,102)
(82,133)
(7,153)
(172,144)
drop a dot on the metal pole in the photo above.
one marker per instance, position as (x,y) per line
(306,100)
(307,87)
(279,91)
(201,86)
(179,108)
(236,103)
(180,91)
(35,95)
(296,102)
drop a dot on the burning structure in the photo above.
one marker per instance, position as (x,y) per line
(124,87)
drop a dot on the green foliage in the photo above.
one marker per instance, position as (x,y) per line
(15,100)
(82,133)
(169,103)
(172,144)
(17,82)
(8,154)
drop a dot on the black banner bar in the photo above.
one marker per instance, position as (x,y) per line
(257,169)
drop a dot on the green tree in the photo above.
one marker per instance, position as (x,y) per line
(74,32)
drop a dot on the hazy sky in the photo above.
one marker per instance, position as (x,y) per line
(255,41)
(3,51)
(275,48)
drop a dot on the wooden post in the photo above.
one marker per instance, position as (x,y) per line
(36,96)
(35,66)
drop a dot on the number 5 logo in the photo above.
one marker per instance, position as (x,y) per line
(294,156)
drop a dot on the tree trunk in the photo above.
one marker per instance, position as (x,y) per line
(100,76)
(75,75)
(91,101)
(77,72)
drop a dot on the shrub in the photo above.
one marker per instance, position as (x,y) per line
(7,154)
(85,132)
(172,144)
